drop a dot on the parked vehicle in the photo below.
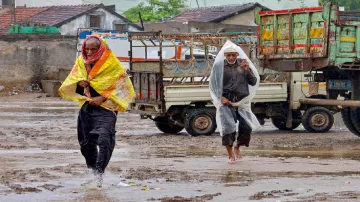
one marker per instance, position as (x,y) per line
(175,92)
(321,39)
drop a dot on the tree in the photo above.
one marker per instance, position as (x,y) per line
(154,10)
(350,5)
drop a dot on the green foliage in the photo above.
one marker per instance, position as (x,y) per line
(350,5)
(154,10)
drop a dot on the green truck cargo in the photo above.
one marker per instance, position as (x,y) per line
(323,40)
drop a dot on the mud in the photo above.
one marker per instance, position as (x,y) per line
(41,161)
(205,197)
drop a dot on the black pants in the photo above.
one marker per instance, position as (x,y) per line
(96,127)
(244,132)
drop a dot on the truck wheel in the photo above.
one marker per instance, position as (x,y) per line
(318,120)
(280,122)
(355,119)
(200,122)
(346,116)
(166,126)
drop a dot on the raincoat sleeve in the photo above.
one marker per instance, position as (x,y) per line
(251,78)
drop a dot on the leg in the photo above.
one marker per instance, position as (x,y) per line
(237,152)
(243,138)
(104,125)
(106,144)
(87,142)
(228,141)
(90,152)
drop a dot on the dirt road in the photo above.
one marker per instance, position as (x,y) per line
(41,161)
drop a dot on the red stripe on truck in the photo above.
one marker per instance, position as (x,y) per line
(296,10)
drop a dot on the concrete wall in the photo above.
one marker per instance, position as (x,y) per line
(246,18)
(28,59)
(107,22)
(71,27)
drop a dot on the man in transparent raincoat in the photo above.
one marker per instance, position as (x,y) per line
(233,83)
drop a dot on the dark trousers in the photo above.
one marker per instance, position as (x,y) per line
(244,132)
(96,128)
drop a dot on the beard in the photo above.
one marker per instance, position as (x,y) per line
(231,63)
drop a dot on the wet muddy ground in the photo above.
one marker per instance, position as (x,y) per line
(41,161)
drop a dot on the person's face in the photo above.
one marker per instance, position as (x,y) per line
(231,57)
(91,48)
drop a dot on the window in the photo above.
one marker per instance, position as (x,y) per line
(95,21)
(121,27)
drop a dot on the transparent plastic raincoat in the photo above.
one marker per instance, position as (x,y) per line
(224,118)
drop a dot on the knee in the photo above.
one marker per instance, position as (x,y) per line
(106,141)
(88,144)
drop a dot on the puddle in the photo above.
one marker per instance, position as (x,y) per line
(276,152)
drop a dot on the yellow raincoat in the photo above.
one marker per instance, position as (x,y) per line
(107,77)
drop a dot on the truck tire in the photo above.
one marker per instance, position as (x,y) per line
(166,126)
(355,119)
(200,122)
(318,120)
(346,116)
(280,122)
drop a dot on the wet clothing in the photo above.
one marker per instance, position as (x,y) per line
(96,127)
(236,83)
(244,131)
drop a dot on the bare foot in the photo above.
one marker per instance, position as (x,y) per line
(231,160)
(237,153)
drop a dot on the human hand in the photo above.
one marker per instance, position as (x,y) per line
(84,83)
(244,64)
(225,101)
(97,101)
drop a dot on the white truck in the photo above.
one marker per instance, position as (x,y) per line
(172,88)
(175,92)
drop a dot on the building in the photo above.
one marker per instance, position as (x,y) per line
(213,19)
(196,27)
(67,18)
(239,14)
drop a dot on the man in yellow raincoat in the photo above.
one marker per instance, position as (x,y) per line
(100,85)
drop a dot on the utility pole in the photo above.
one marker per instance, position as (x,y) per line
(13,7)
(197,2)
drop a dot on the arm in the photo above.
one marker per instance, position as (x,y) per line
(251,78)
(249,75)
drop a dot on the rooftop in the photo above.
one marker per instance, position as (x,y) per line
(214,13)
